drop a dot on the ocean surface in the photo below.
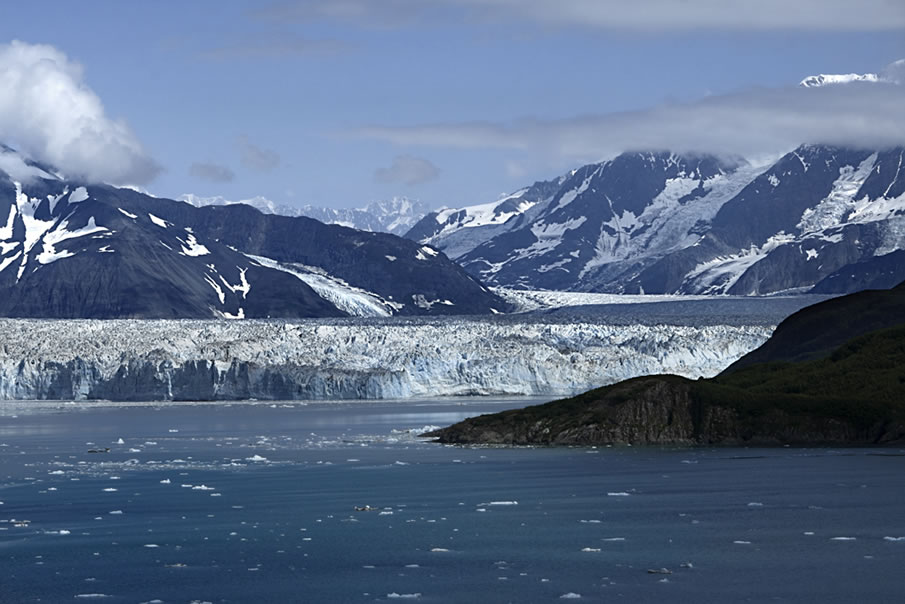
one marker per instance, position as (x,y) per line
(256,503)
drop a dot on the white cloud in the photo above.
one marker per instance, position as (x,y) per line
(47,111)
(275,45)
(256,158)
(655,15)
(747,123)
(409,170)
(211,172)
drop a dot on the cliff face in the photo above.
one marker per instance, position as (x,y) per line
(664,410)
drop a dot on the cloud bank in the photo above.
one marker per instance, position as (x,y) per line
(48,112)
(747,123)
(408,170)
(650,15)
(211,172)
(256,158)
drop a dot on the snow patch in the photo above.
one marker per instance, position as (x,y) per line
(158,221)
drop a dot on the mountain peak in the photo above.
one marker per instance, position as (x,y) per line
(820,80)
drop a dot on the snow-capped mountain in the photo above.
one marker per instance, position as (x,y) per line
(75,249)
(666,223)
(396,215)
(894,73)
(822,79)
(459,230)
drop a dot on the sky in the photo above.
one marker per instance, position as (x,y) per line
(454,102)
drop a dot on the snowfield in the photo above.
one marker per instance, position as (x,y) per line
(349,359)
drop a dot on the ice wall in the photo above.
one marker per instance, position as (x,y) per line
(230,360)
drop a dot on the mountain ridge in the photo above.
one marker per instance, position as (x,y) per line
(664,223)
(79,250)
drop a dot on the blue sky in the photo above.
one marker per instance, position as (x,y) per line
(342,102)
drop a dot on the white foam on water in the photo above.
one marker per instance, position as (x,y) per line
(740,542)
(590,549)
(570,596)
(395,595)
(893,538)
(843,538)
(619,494)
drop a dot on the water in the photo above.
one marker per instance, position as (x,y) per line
(255,503)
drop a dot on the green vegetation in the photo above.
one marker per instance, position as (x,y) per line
(833,372)
(862,382)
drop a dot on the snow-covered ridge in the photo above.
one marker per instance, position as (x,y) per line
(396,215)
(816,81)
(318,359)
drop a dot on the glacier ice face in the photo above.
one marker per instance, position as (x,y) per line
(349,359)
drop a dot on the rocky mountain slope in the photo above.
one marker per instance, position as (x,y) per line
(667,223)
(827,375)
(71,249)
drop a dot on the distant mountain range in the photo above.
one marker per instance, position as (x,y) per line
(659,222)
(395,216)
(831,373)
(71,249)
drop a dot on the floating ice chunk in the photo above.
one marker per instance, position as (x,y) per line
(120,441)
(809,533)
(570,596)
(109,490)
(89,596)
(843,538)
(413,566)
(499,503)
(443,549)
(884,538)
(115,512)
(619,494)
(740,542)
(589,521)
(203,487)
(56,472)
(395,595)
(590,549)
(256,458)
(615,539)
(151,545)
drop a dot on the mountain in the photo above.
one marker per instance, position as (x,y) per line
(658,222)
(891,74)
(70,249)
(395,216)
(816,81)
(459,230)
(829,374)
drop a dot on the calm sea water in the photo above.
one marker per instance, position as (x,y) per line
(255,503)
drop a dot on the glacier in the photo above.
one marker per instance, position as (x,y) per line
(334,359)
